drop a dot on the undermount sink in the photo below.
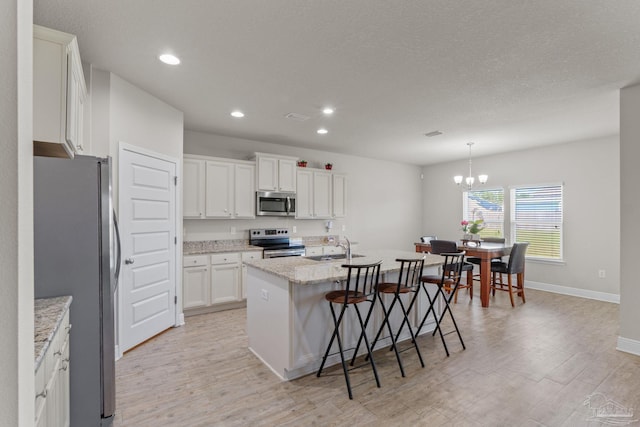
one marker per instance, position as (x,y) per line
(332,257)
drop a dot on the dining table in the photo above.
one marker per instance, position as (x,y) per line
(486,252)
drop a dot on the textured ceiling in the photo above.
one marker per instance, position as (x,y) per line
(507,75)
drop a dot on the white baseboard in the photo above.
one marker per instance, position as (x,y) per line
(628,346)
(574,292)
(180,321)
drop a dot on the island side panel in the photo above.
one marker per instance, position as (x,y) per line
(311,327)
(268,319)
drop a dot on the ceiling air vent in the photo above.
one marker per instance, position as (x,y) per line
(298,117)
(434,133)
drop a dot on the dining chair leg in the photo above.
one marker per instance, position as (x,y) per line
(521,286)
(510,289)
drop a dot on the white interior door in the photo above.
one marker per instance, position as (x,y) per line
(147,207)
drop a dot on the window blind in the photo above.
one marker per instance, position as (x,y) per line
(487,205)
(536,217)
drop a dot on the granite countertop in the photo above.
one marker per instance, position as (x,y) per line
(48,313)
(201,247)
(304,271)
(217,246)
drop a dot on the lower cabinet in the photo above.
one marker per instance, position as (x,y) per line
(213,282)
(52,381)
(225,278)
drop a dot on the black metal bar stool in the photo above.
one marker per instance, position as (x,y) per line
(449,282)
(360,287)
(408,281)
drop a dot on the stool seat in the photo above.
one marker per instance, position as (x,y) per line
(437,280)
(390,288)
(351,297)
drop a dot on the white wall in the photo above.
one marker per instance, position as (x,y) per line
(629,218)
(384,198)
(591,229)
(16,212)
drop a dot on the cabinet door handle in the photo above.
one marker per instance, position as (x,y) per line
(43,394)
(129,261)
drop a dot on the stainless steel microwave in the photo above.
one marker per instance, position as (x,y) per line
(270,203)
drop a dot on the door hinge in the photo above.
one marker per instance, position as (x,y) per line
(175,180)
(175,299)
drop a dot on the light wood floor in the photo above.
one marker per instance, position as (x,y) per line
(533,365)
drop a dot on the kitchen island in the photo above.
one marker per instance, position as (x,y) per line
(289,322)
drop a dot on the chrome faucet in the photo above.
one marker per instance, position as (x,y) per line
(346,247)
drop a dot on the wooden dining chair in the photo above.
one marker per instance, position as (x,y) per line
(514,266)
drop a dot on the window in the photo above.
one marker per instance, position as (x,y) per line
(536,217)
(487,205)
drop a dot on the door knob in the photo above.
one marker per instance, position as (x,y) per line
(128,261)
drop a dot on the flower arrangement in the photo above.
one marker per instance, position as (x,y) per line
(328,166)
(472,227)
(302,163)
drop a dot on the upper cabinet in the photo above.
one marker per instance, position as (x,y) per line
(339,195)
(313,198)
(218,188)
(59,94)
(193,189)
(276,173)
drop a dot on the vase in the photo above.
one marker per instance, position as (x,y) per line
(467,236)
(475,237)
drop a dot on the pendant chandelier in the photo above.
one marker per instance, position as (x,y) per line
(469,180)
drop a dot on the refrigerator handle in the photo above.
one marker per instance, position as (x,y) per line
(119,247)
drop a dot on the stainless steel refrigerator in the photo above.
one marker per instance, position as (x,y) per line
(76,252)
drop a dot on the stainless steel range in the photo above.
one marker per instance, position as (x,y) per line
(276,242)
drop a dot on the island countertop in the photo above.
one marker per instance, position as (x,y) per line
(48,315)
(304,271)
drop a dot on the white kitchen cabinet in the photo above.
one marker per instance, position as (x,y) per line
(59,93)
(195,281)
(229,189)
(225,278)
(276,173)
(322,194)
(215,282)
(244,191)
(339,201)
(193,188)
(313,251)
(313,198)
(52,380)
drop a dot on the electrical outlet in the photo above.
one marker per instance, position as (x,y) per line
(295,229)
(602,274)
(265,295)
(233,230)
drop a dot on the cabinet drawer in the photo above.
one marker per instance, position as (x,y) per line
(330,250)
(195,260)
(227,258)
(246,256)
(313,250)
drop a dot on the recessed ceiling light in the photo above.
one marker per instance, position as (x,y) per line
(328,111)
(237,114)
(167,58)
(322,131)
